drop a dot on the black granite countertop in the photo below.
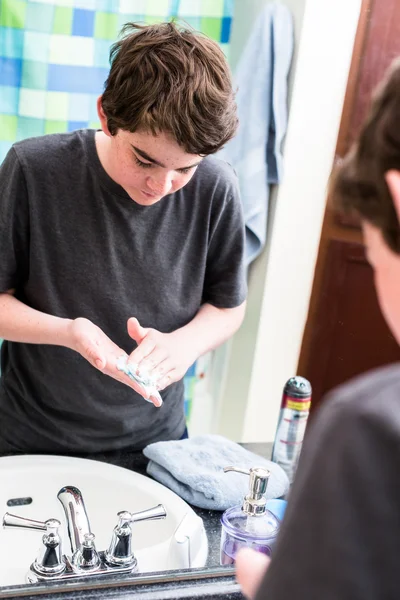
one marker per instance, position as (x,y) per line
(212,582)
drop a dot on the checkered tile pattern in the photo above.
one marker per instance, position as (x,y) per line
(54,56)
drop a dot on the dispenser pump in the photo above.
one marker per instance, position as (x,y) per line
(254,504)
(250,524)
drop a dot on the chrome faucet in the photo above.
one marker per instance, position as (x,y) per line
(84,560)
(83,550)
(75,514)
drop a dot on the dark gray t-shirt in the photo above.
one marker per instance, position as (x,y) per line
(74,244)
(340,539)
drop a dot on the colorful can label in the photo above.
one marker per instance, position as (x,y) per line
(295,407)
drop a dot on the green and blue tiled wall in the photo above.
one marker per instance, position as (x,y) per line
(54,56)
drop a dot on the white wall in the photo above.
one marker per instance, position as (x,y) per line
(231,384)
(264,353)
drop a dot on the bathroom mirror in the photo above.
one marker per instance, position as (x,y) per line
(341,50)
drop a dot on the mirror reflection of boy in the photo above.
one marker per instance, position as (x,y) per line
(133,233)
(340,538)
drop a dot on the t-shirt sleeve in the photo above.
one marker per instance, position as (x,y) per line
(340,538)
(14,224)
(225,279)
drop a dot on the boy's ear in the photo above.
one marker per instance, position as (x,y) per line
(393,182)
(102,117)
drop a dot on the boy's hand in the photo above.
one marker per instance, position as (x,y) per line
(159,355)
(97,348)
(250,570)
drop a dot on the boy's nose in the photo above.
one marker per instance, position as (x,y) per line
(160,185)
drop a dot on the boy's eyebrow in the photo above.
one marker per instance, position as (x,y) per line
(144,155)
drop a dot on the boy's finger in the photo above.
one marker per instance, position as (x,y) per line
(250,569)
(156,399)
(165,380)
(144,349)
(94,355)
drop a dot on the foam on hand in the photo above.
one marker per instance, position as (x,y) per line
(147,383)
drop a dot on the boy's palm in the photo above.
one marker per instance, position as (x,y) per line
(97,348)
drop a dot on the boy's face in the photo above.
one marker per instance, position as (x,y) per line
(386,266)
(147,166)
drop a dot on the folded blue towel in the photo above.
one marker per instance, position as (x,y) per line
(193,469)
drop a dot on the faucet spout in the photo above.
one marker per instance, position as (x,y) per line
(76,516)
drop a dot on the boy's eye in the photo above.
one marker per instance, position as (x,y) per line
(142,164)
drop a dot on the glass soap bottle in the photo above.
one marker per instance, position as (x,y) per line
(251,524)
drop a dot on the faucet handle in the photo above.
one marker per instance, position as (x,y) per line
(151,514)
(119,553)
(16,522)
(49,561)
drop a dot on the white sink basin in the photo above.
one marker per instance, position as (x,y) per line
(178,541)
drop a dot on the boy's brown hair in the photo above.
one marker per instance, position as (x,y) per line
(166,78)
(358,184)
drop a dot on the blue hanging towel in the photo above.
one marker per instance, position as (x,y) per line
(256,151)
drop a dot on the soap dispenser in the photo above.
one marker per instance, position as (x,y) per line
(251,524)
